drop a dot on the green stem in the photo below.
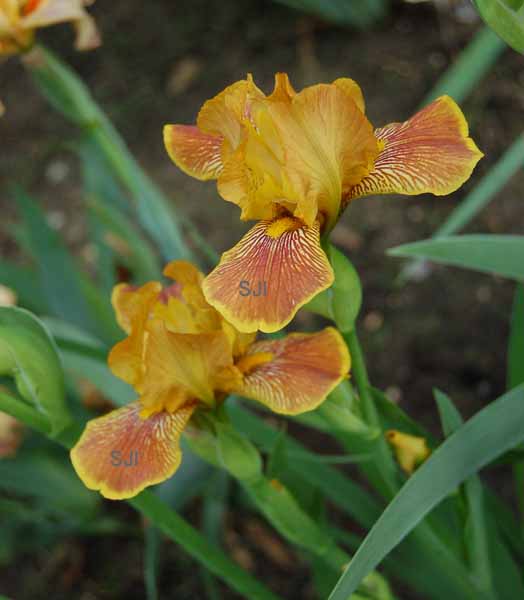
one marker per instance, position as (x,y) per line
(24,413)
(382,470)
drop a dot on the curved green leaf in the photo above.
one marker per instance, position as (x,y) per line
(488,434)
(28,354)
(506,18)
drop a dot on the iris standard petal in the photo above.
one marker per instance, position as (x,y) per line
(329,146)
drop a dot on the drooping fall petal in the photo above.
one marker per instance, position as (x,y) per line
(431,152)
(294,374)
(196,153)
(276,268)
(149,446)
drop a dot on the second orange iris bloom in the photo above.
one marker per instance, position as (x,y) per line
(181,356)
(293,161)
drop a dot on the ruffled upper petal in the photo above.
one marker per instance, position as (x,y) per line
(276,268)
(329,147)
(296,373)
(182,361)
(150,447)
(133,307)
(132,304)
(353,90)
(431,152)
(223,115)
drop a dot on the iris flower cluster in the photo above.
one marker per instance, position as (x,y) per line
(292,161)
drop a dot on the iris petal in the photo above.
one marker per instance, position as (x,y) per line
(149,446)
(302,371)
(196,153)
(275,269)
(431,152)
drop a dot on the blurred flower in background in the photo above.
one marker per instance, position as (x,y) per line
(20,18)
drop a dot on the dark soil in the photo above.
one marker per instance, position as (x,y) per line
(160,61)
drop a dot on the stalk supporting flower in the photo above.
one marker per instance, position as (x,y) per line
(182,357)
(293,161)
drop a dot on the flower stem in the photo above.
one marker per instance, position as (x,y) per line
(382,470)
(24,413)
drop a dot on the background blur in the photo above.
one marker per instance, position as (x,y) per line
(159,62)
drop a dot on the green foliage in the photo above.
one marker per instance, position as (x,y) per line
(516,340)
(506,17)
(357,13)
(467,70)
(67,93)
(28,354)
(342,301)
(496,254)
(487,435)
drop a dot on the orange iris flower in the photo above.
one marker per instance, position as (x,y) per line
(181,356)
(293,161)
(20,18)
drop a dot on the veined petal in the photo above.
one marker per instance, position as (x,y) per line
(183,361)
(149,446)
(297,372)
(329,146)
(196,153)
(276,268)
(431,152)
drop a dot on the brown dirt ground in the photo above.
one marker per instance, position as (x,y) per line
(159,62)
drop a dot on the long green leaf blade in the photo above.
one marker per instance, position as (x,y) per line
(497,254)
(516,340)
(488,434)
